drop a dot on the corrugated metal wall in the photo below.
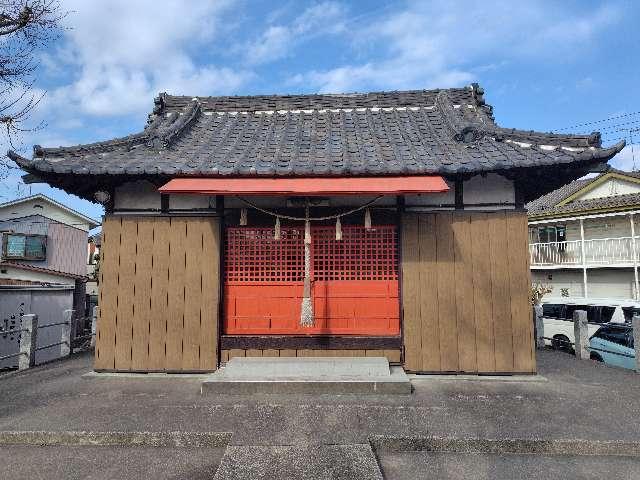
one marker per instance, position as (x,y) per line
(48,304)
(465,291)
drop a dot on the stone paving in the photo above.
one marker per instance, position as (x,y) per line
(588,406)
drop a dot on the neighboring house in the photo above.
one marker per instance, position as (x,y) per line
(42,266)
(584,237)
(221,236)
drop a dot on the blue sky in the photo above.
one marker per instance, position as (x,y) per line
(544,65)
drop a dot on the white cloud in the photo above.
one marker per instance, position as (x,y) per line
(278,41)
(123,53)
(440,43)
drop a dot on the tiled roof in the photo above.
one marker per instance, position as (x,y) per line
(547,205)
(443,132)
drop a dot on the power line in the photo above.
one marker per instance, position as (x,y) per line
(598,121)
(615,128)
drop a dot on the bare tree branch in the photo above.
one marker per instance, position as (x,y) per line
(26,26)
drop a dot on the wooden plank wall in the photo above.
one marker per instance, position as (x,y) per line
(159,293)
(392,355)
(465,293)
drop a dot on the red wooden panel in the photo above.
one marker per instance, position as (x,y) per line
(354,281)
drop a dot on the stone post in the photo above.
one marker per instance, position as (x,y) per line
(94,325)
(581,334)
(28,340)
(65,347)
(636,339)
(539,325)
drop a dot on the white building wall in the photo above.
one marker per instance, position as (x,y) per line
(559,279)
(136,195)
(494,190)
(613,186)
(601,283)
(41,207)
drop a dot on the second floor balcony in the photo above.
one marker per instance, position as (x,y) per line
(601,252)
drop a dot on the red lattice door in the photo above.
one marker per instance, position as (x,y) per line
(354,281)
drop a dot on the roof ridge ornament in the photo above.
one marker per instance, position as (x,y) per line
(174,125)
(464,131)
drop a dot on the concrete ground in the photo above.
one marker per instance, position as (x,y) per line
(298,435)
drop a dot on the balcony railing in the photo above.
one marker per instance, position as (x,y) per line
(597,252)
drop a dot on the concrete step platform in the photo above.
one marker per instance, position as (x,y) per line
(335,375)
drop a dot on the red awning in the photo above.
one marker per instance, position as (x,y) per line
(306,186)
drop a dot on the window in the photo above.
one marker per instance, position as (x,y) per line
(619,335)
(552,310)
(20,246)
(556,235)
(629,312)
(606,314)
(552,234)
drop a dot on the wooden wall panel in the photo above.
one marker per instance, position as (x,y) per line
(500,294)
(126,287)
(159,294)
(176,291)
(465,313)
(192,296)
(209,263)
(481,275)
(142,294)
(427,294)
(469,310)
(411,325)
(445,277)
(110,262)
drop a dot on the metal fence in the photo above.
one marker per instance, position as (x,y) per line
(599,251)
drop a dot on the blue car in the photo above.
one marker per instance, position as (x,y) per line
(613,344)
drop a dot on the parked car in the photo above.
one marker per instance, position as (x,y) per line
(558,317)
(613,345)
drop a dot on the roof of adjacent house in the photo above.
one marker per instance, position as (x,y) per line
(43,198)
(552,204)
(34,268)
(445,132)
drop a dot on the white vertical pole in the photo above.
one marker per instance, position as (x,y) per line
(636,293)
(65,333)
(584,260)
(28,341)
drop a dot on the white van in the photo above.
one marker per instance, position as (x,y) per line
(558,316)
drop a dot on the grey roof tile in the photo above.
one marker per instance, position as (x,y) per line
(353,134)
